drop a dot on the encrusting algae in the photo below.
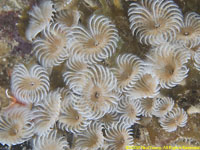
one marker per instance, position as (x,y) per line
(98,74)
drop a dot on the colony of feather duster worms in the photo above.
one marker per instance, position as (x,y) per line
(98,104)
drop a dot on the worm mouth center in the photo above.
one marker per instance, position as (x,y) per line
(77,117)
(157,25)
(186,33)
(96,43)
(97,95)
(122,141)
(13,132)
(169,69)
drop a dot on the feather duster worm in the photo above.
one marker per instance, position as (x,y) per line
(162,106)
(46,113)
(40,17)
(154,21)
(175,118)
(109,119)
(99,42)
(52,49)
(129,110)
(118,137)
(129,69)
(91,139)
(69,18)
(147,106)
(168,64)
(189,34)
(75,76)
(97,97)
(63,4)
(70,119)
(146,86)
(29,85)
(51,141)
(16,126)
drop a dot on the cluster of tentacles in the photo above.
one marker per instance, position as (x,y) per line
(98,104)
